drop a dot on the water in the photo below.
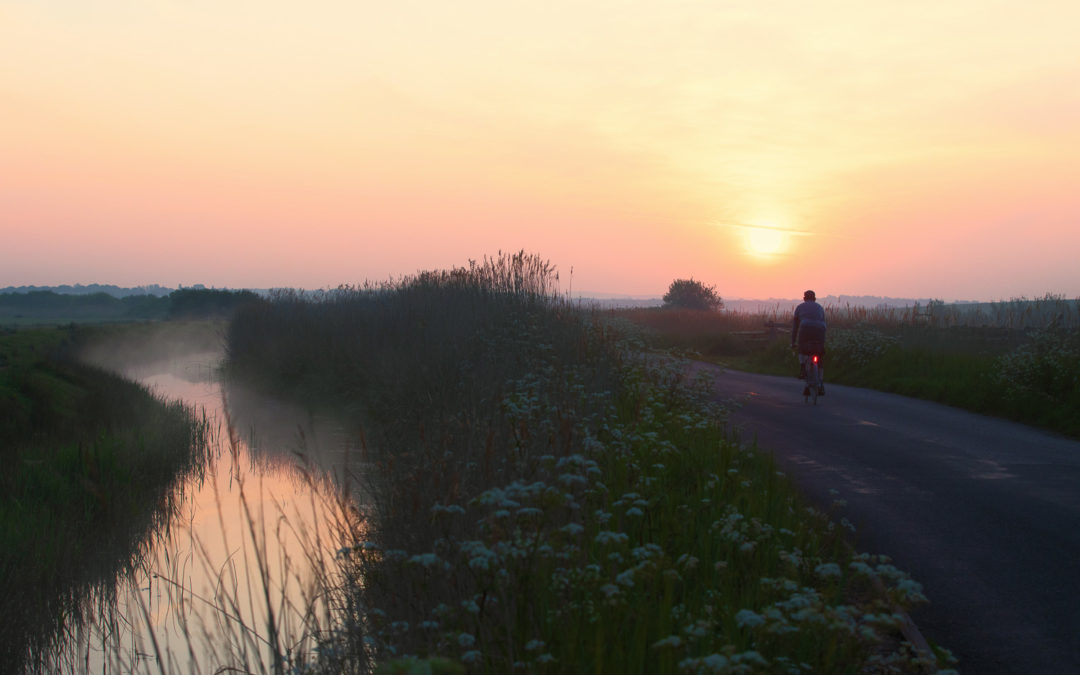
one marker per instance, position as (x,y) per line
(237,577)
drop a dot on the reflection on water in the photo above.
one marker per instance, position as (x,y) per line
(237,576)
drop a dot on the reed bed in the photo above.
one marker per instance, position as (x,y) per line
(538,497)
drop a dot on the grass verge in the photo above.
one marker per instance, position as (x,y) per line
(89,457)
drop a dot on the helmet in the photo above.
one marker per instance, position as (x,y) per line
(808,296)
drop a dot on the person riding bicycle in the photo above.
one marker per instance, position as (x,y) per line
(808,334)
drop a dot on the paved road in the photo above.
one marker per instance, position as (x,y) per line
(984,513)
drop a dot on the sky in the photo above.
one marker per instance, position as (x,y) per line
(915,149)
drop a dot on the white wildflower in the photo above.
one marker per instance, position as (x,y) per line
(608,537)
(471,657)
(573,529)
(713,663)
(750,658)
(451,509)
(669,641)
(748,618)
(427,560)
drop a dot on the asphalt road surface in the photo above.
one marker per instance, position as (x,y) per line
(984,513)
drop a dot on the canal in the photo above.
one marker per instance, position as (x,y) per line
(241,575)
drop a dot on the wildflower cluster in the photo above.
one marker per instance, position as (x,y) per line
(1046,368)
(650,548)
(860,345)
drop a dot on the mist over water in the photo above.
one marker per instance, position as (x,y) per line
(236,575)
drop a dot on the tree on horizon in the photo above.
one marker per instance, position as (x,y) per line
(692,294)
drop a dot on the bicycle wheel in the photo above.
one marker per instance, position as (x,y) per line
(813,378)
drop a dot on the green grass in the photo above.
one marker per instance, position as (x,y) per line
(88,459)
(539,499)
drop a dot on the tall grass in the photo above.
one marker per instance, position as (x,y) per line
(539,498)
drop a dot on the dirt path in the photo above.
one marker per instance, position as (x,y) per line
(984,513)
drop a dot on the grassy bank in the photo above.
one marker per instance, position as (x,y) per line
(1018,360)
(541,499)
(88,460)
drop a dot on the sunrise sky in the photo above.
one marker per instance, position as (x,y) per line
(910,149)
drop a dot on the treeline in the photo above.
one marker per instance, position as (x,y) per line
(48,306)
(90,289)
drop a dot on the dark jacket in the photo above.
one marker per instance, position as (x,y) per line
(809,324)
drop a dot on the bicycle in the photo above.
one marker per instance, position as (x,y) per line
(811,370)
(814,386)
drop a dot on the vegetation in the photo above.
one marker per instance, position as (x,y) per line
(1017,359)
(87,289)
(88,461)
(48,307)
(189,303)
(543,499)
(691,294)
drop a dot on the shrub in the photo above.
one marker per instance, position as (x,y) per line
(859,346)
(692,294)
(1046,369)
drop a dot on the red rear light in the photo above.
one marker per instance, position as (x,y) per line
(815,358)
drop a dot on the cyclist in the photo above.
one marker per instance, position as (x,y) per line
(808,335)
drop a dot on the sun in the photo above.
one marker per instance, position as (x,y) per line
(765,242)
